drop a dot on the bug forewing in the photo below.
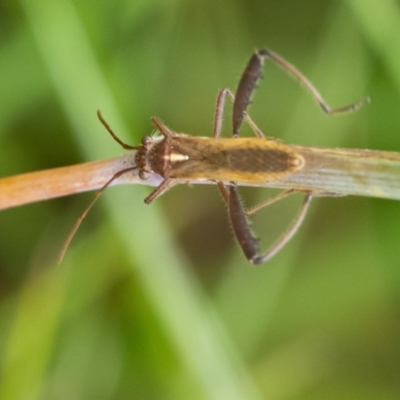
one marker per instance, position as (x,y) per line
(240,160)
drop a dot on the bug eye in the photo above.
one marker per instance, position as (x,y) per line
(146,140)
(143,175)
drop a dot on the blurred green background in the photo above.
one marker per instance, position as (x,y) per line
(158,302)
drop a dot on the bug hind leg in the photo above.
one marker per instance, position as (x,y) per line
(253,72)
(241,226)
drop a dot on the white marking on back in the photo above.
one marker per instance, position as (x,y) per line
(176,157)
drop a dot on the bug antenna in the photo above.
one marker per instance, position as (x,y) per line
(87,209)
(114,136)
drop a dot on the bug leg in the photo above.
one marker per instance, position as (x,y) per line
(242,230)
(253,72)
(165,185)
(270,201)
(225,194)
(165,131)
(219,111)
(292,70)
(274,249)
(241,226)
(247,84)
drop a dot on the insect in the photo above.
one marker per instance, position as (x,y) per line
(179,158)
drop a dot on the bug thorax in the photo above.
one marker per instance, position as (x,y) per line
(152,157)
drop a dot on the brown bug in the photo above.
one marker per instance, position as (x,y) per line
(179,158)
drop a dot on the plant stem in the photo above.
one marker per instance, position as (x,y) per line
(327,171)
